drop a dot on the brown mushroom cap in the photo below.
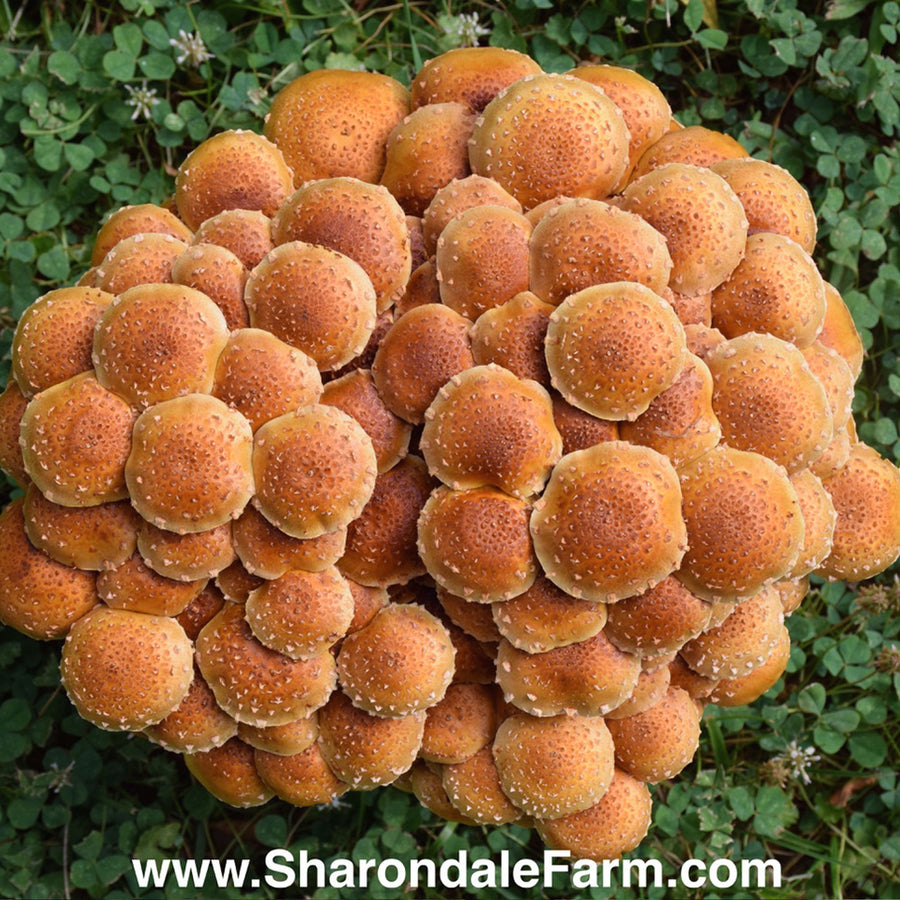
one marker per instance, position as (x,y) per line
(360,220)
(335,122)
(462,722)
(134,586)
(75,439)
(839,331)
(314,470)
(39,596)
(833,372)
(424,781)
(488,427)
(140,218)
(651,687)
(475,619)
(700,217)
(254,684)
(399,664)
(426,151)
(229,773)
(657,744)
(819,520)
(54,337)
(476,543)
(546,135)
(482,259)
(776,289)
(200,610)
(190,464)
(681,675)
(136,260)
(89,537)
(218,273)
(282,740)
(751,686)
(367,603)
(12,407)
(302,778)
(694,145)
(423,287)
(579,429)
(696,310)
(186,557)
(232,170)
(586,242)
(589,677)
(734,498)
(554,766)
(473,788)
(301,613)
(158,341)
(125,670)
(866,495)
(236,582)
(612,348)
(247,233)
(609,524)
(365,750)
(792,592)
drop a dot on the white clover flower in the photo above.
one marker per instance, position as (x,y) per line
(796,759)
(191,49)
(142,99)
(465,27)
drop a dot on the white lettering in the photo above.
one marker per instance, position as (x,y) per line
(275,865)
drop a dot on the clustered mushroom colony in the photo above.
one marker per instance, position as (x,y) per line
(468,438)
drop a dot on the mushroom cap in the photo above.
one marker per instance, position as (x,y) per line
(545,616)
(247,233)
(200,610)
(476,543)
(235,582)
(133,585)
(425,782)
(54,337)
(263,377)
(772,198)
(833,372)
(425,151)
(836,453)
(746,688)
(254,684)
(839,331)
(651,687)
(737,499)
(613,826)
(423,287)
(282,740)
(585,242)
(657,744)
(301,613)
(546,135)
(91,538)
(767,400)
(609,523)
(475,619)
(314,470)
(693,145)
(792,592)
(139,218)
(696,310)
(589,677)
(473,788)
(364,750)
(681,675)
(12,407)
(139,259)
(158,341)
(469,75)
(360,220)
(399,664)
(488,427)
(611,348)
(234,169)
(125,670)
(367,603)
(482,259)
(551,767)
(700,217)
(229,774)
(742,642)
(460,724)
(302,778)
(75,439)
(424,348)
(186,557)
(381,542)
(819,520)
(39,596)
(579,429)
(865,492)
(218,273)
(775,289)
(196,725)
(190,464)
(335,122)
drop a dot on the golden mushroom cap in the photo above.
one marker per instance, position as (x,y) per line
(200,610)
(700,217)
(611,348)
(473,788)
(399,664)
(54,337)
(834,374)
(234,169)
(190,464)
(546,135)
(551,767)
(586,242)
(736,500)
(134,586)
(158,341)
(476,543)
(609,524)
(235,582)
(424,781)
(139,259)
(488,427)
(255,684)
(335,122)
(819,520)
(12,407)
(302,778)
(218,273)
(139,218)
(746,688)
(579,429)
(75,439)
(460,724)
(186,557)
(282,740)
(125,670)
(839,331)
(475,619)
(229,774)
(653,682)
(314,470)
(693,145)
(247,233)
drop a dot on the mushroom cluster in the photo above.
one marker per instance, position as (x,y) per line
(468,438)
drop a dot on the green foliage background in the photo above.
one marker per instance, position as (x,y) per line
(812,86)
